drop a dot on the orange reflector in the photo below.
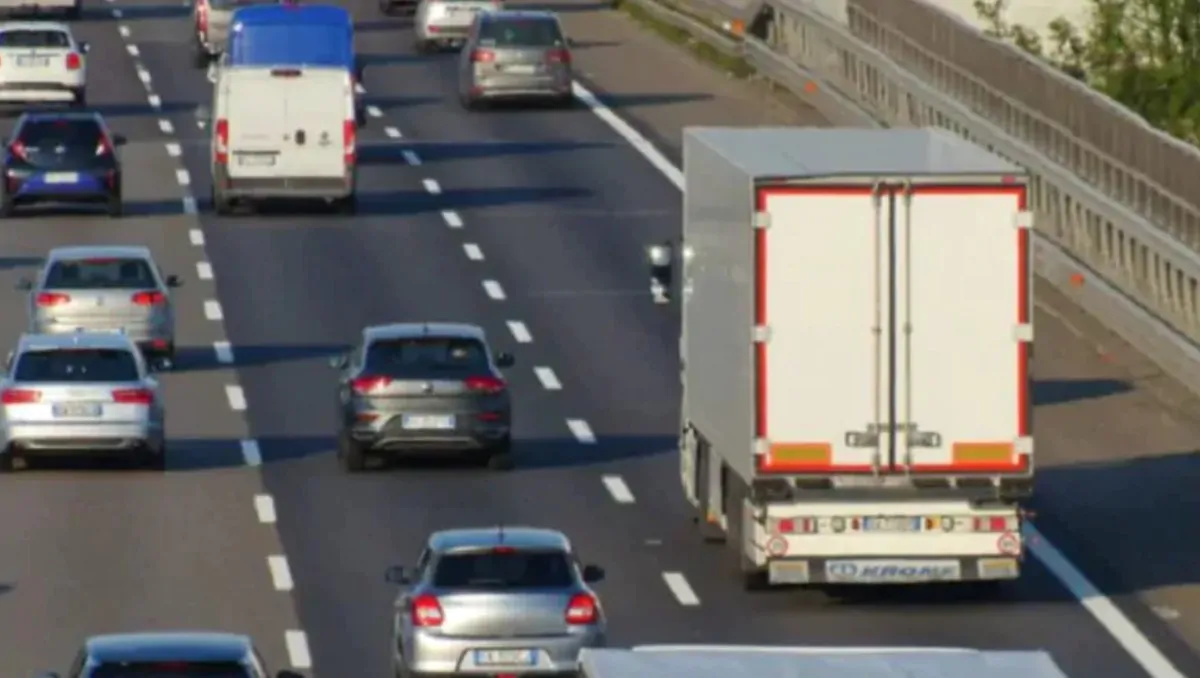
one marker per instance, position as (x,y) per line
(982,453)
(801,453)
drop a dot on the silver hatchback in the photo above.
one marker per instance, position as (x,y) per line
(495,601)
(80,392)
(515,54)
(105,289)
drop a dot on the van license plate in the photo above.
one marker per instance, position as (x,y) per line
(61,177)
(892,524)
(77,410)
(429,422)
(261,160)
(506,657)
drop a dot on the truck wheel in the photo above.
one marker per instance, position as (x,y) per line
(351,454)
(200,56)
(221,205)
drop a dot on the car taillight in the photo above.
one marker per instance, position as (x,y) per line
(18,149)
(19,396)
(349,139)
(52,299)
(426,611)
(582,609)
(222,152)
(149,298)
(558,56)
(133,396)
(484,384)
(367,385)
(483,56)
(996,524)
(103,147)
(74,62)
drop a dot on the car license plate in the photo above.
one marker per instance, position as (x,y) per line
(892,524)
(506,657)
(428,422)
(33,61)
(77,410)
(521,69)
(257,160)
(61,177)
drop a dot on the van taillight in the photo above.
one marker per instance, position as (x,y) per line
(222,154)
(349,138)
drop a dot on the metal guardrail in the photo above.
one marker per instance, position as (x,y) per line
(1096,241)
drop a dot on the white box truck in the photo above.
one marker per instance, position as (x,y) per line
(856,314)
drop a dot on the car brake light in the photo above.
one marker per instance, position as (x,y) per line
(367,385)
(222,151)
(133,396)
(582,609)
(426,611)
(18,149)
(74,62)
(149,298)
(504,549)
(558,56)
(104,146)
(484,384)
(52,299)
(349,139)
(483,56)
(19,396)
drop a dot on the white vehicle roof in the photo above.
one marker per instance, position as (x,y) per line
(34,26)
(815,662)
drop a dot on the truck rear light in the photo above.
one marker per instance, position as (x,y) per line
(133,396)
(19,396)
(427,611)
(996,524)
(582,609)
(795,526)
(149,298)
(368,385)
(349,140)
(48,299)
(222,150)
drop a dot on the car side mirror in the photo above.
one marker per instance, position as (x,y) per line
(505,360)
(8,360)
(339,362)
(593,574)
(661,258)
(397,575)
(174,281)
(85,47)
(119,140)
(289,674)
(24,285)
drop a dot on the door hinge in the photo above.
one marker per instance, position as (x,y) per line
(762,334)
(762,447)
(1023,332)
(1023,220)
(762,220)
(1023,445)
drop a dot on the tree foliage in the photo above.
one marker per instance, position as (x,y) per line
(1143,53)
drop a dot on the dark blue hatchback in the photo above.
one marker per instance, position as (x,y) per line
(61,157)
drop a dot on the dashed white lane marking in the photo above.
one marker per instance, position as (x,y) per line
(237,402)
(281,574)
(452,219)
(182,176)
(618,489)
(143,75)
(204,270)
(392,132)
(581,431)
(212,310)
(374,112)
(155,101)
(166,126)
(494,290)
(123,30)
(473,251)
(133,50)
(411,158)
(359,89)
(548,378)
(251,454)
(264,507)
(224,351)
(519,331)
(196,237)
(681,589)
(431,186)
(174,150)
(297,649)
(189,207)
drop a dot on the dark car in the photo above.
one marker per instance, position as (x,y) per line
(424,387)
(61,157)
(170,655)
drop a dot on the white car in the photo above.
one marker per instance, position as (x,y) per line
(42,63)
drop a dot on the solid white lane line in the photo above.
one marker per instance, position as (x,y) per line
(431,186)
(237,402)
(182,176)
(519,331)
(681,589)
(123,30)
(264,507)
(196,237)
(155,101)
(281,574)
(174,150)
(618,489)
(132,49)
(224,351)
(166,126)
(204,270)
(392,132)
(581,431)
(297,649)
(630,135)
(411,158)
(212,310)
(548,378)
(189,205)
(251,454)
(473,251)
(494,290)
(374,112)
(452,219)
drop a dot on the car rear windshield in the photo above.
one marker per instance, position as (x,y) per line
(171,670)
(35,38)
(426,356)
(510,570)
(100,274)
(83,366)
(76,133)
(520,33)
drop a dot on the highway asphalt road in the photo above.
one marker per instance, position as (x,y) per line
(256,529)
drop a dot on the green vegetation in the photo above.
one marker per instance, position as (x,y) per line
(1142,53)
(735,66)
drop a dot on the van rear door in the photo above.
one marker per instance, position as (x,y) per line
(320,120)
(256,106)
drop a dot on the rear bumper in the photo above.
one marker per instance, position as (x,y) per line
(438,654)
(25,186)
(521,88)
(442,33)
(147,337)
(859,570)
(42,438)
(469,434)
(66,91)
(283,187)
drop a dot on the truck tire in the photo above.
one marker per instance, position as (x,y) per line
(221,205)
